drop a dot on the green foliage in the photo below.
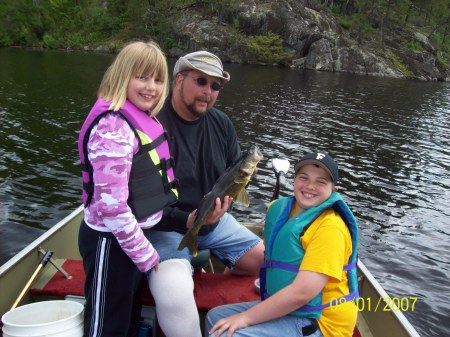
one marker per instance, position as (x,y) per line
(74,24)
(16,30)
(224,10)
(443,46)
(358,26)
(441,42)
(267,48)
(399,64)
(159,19)
(61,23)
(344,22)
(371,20)
(136,19)
(51,42)
(412,45)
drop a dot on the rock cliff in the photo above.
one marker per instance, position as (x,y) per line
(313,39)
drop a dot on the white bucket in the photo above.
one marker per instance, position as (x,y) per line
(48,318)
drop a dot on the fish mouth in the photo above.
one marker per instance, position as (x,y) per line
(255,154)
(253,158)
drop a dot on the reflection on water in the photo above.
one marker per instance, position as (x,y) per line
(390,138)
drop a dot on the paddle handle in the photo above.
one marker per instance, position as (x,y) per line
(280,180)
(280,167)
(42,264)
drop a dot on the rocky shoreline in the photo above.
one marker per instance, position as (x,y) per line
(312,37)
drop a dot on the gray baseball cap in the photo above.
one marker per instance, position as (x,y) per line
(203,61)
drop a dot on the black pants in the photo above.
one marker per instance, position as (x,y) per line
(112,288)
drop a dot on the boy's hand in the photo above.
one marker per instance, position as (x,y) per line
(231,324)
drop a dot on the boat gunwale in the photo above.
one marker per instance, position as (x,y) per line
(36,243)
(384,295)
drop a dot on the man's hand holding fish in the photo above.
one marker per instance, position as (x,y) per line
(219,210)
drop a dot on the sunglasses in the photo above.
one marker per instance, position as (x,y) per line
(201,82)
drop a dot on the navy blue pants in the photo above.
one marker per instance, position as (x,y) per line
(112,288)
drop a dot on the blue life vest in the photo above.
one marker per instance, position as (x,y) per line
(152,185)
(284,252)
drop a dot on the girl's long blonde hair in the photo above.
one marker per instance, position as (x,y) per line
(136,58)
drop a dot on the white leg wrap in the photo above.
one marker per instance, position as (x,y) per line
(172,288)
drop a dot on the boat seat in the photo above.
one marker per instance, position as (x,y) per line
(202,260)
(210,290)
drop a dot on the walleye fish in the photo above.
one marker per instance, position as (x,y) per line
(232,183)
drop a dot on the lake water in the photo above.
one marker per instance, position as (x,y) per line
(389,137)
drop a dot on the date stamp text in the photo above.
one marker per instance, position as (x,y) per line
(387,303)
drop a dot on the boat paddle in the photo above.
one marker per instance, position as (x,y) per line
(42,264)
(280,167)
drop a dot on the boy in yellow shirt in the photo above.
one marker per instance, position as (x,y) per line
(309,279)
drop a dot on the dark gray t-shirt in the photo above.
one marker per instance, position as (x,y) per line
(202,150)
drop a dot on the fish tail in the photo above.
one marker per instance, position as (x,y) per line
(190,241)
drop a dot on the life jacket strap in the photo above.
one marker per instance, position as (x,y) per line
(340,300)
(164,165)
(88,187)
(280,265)
(294,268)
(350,266)
(155,143)
(175,183)
(85,167)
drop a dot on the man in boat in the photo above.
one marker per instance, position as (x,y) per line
(203,142)
(309,277)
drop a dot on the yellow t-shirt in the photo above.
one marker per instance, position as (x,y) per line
(328,246)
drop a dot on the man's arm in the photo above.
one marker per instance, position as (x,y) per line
(173,219)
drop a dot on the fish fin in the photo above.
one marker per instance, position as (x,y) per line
(190,240)
(243,198)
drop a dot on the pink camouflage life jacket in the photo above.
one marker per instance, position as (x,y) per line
(152,185)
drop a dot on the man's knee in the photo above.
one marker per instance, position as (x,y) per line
(250,262)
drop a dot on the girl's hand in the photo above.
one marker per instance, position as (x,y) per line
(156,262)
(231,324)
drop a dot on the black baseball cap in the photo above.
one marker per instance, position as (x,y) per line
(322,159)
